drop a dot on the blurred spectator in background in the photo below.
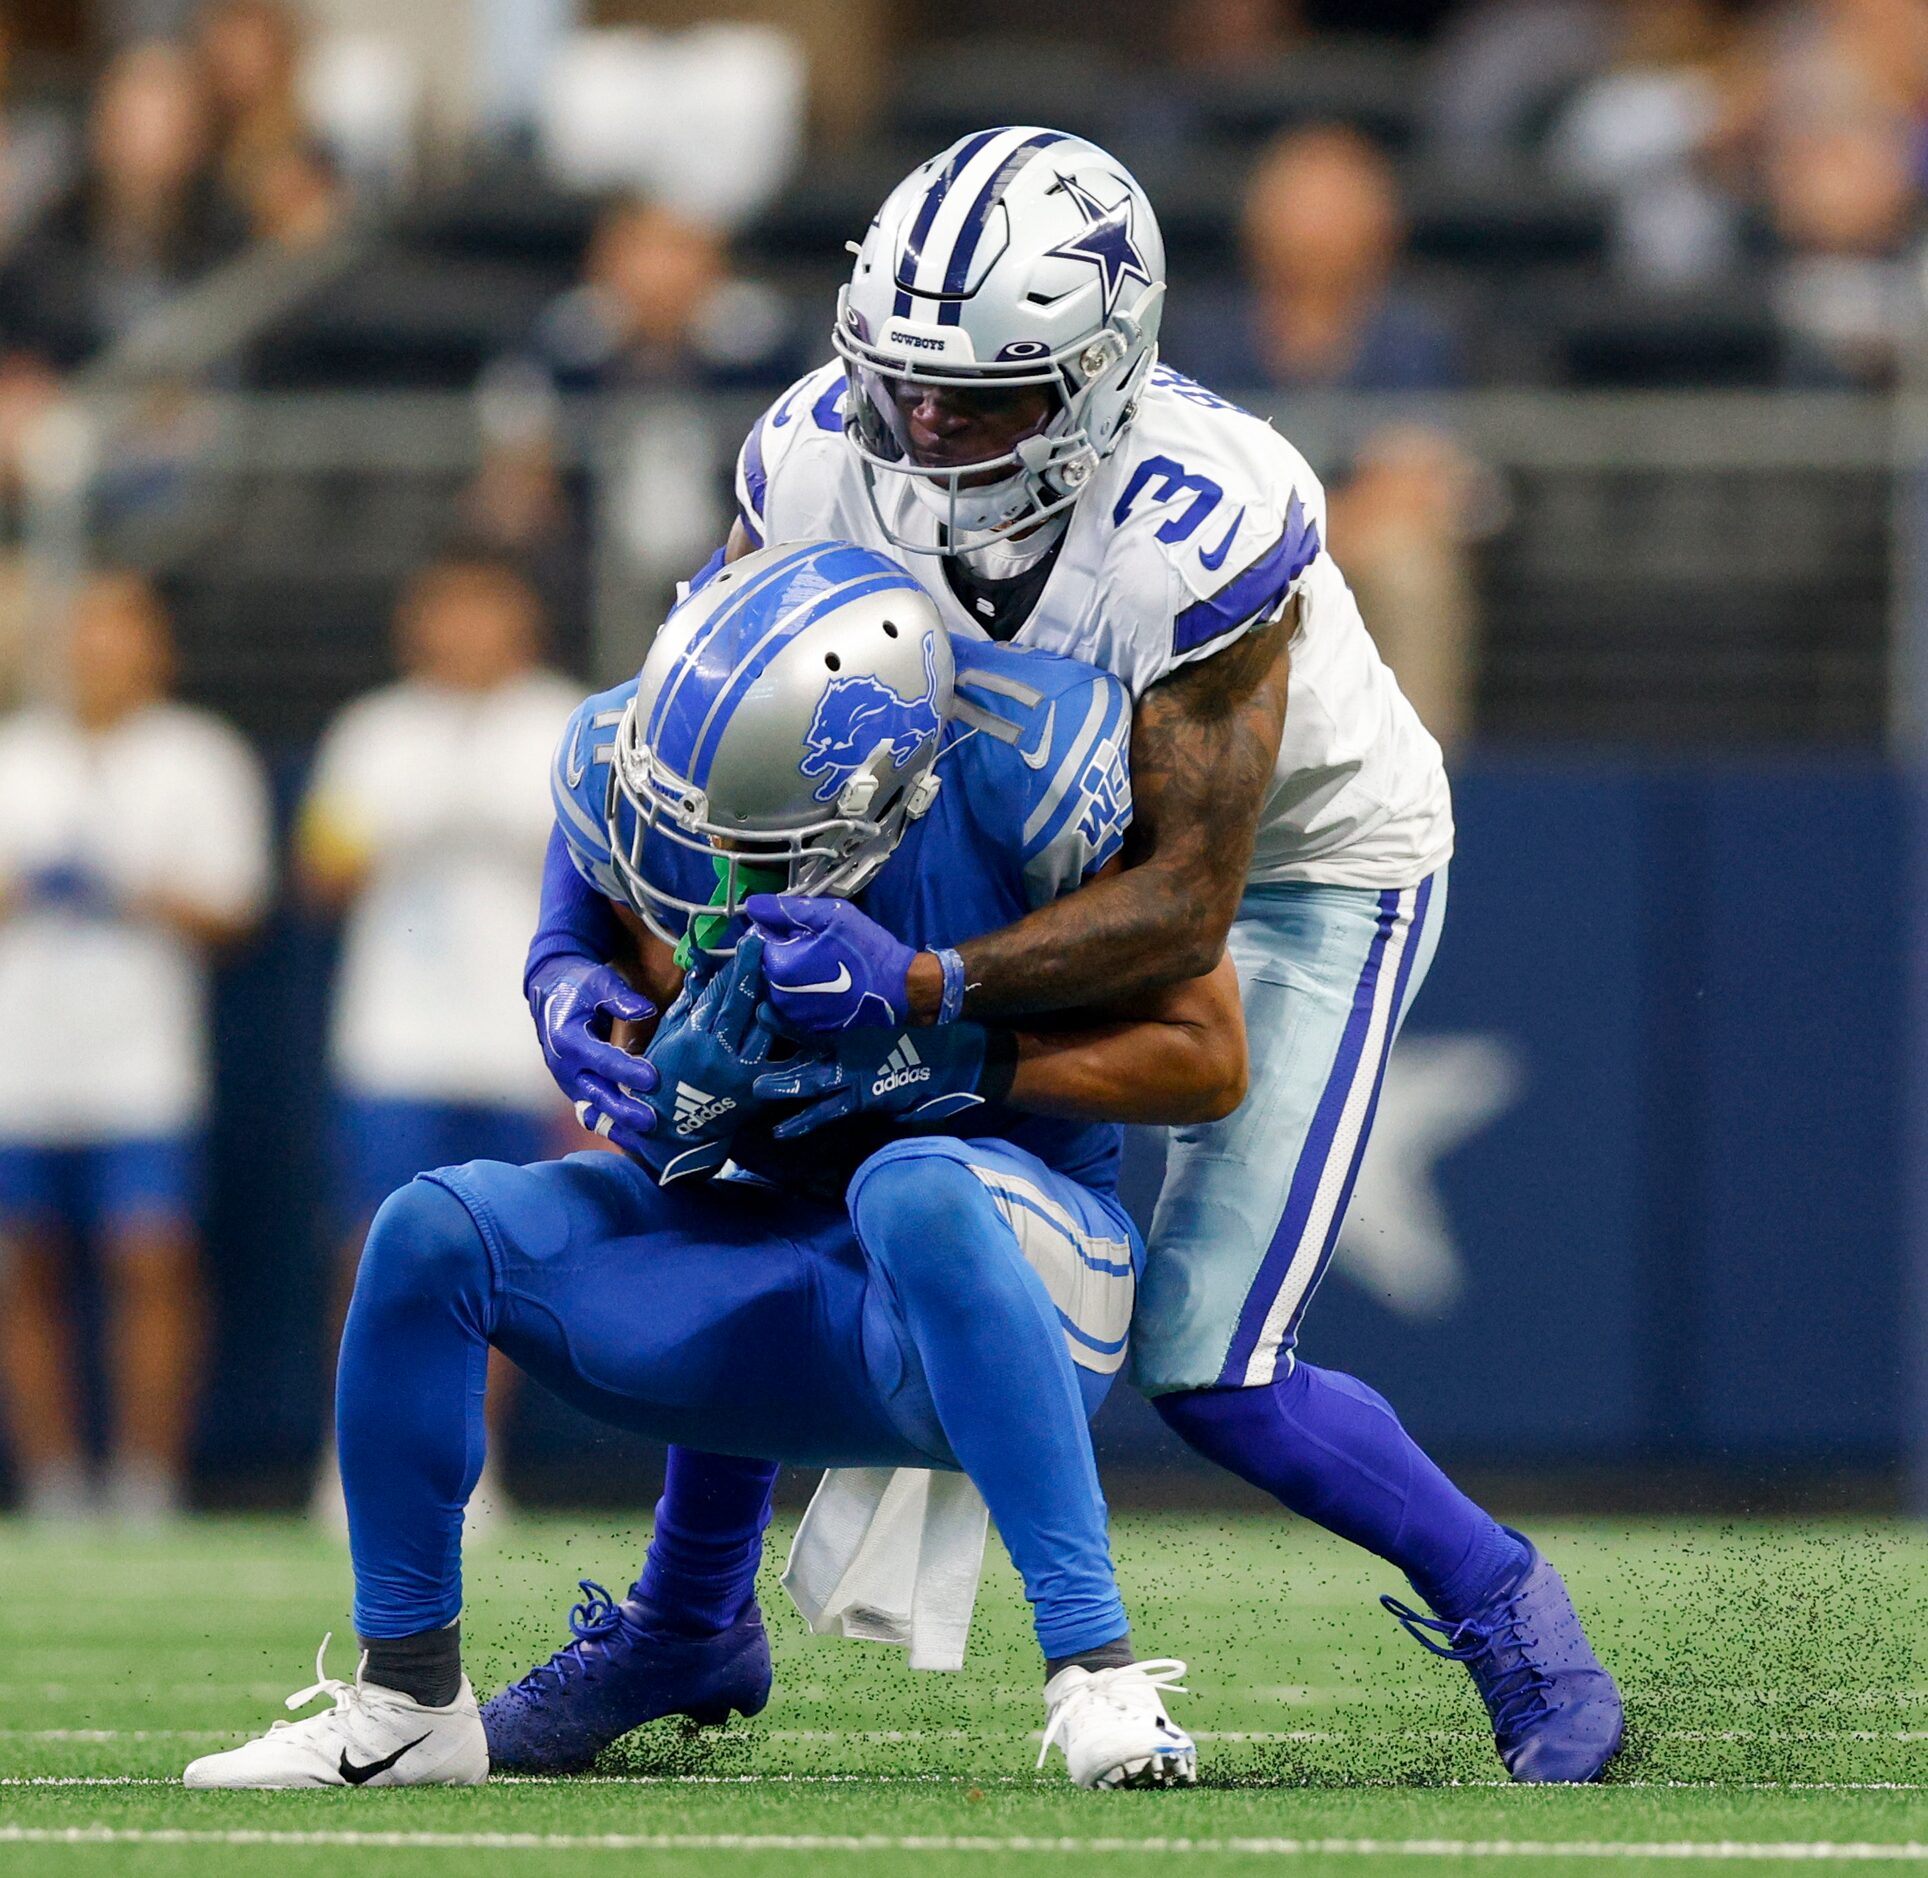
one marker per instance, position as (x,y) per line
(36,152)
(1208,36)
(1501,71)
(250,51)
(659,309)
(425,826)
(1323,233)
(1846,208)
(1403,519)
(1825,61)
(1648,134)
(133,841)
(1323,237)
(147,217)
(298,198)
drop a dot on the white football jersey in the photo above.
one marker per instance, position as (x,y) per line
(1200,525)
(443,797)
(103,1015)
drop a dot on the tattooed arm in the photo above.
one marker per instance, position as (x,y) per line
(1203,745)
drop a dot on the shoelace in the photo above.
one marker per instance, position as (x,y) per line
(344,1693)
(1161,1673)
(1518,1692)
(598,1616)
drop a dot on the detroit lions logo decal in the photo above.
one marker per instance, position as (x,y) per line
(855,715)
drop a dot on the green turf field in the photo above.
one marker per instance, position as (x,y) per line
(1777,1682)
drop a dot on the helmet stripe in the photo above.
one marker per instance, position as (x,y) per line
(664,710)
(964,247)
(909,261)
(782,632)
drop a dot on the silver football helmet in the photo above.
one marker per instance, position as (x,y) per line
(1018,262)
(782,734)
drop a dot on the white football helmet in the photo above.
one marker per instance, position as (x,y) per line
(1017,259)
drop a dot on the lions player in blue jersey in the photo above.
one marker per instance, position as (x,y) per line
(998,414)
(883,1252)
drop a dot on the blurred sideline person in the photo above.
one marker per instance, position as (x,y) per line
(425,826)
(1323,235)
(134,840)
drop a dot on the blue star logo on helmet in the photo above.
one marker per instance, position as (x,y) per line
(1105,241)
(855,715)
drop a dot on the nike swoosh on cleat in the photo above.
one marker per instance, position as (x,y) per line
(359,1776)
(1040,752)
(840,983)
(1212,559)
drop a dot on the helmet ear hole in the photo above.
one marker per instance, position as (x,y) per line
(833,662)
(890,629)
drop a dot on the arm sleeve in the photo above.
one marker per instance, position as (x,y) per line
(575,920)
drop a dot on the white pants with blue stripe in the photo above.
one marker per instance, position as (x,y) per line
(1251,1206)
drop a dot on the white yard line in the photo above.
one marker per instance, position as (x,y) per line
(1005,1780)
(1803,1851)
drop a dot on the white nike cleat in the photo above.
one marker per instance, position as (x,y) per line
(372,1737)
(1112,1726)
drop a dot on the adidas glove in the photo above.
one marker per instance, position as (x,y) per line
(708,1053)
(916,1075)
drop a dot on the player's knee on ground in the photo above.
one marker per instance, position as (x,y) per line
(909,1202)
(423,1244)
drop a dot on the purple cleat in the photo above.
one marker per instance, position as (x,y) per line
(1555,1711)
(622,1669)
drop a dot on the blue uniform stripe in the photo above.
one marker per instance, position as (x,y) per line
(783,633)
(1255,592)
(1109,1267)
(1113,726)
(750,466)
(913,254)
(1421,900)
(1312,1157)
(957,270)
(1097,1344)
(674,724)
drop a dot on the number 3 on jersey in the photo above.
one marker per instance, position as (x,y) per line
(1171,480)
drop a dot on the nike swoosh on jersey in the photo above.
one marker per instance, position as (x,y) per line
(1213,559)
(358,1776)
(1040,752)
(575,765)
(840,983)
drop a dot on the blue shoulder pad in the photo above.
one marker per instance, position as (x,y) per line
(579,785)
(1063,731)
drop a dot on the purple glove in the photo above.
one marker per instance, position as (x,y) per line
(829,967)
(573,1000)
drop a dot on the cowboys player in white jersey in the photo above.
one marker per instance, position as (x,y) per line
(997,417)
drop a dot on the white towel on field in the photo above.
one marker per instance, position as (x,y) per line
(891,1555)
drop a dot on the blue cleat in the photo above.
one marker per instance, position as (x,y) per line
(621,1671)
(1555,1711)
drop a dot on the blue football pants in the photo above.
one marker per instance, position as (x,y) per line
(966,1308)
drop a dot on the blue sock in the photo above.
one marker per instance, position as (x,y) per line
(700,1575)
(1006,1393)
(408,1408)
(1333,1451)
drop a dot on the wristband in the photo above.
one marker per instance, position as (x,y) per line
(951,1006)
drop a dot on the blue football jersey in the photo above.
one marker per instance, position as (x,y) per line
(1035,798)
